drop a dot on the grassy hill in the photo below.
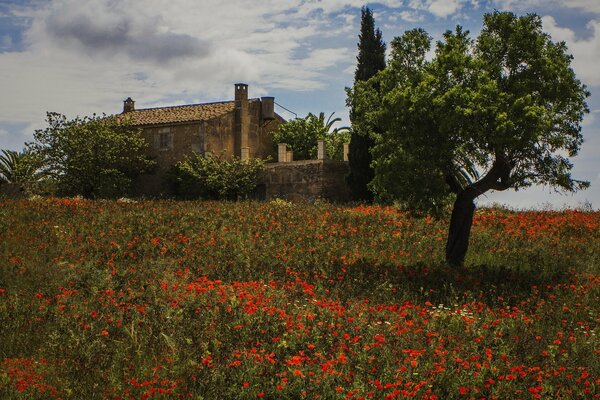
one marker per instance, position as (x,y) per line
(207,300)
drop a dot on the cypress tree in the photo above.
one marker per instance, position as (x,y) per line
(370,60)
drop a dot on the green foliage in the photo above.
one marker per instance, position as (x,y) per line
(20,168)
(302,134)
(507,103)
(212,177)
(95,157)
(371,48)
(370,60)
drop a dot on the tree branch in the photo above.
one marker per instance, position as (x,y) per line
(497,178)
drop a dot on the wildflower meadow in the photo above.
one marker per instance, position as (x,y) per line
(274,300)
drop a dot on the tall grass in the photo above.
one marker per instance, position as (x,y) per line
(211,300)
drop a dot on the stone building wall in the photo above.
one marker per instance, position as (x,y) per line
(260,133)
(169,144)
(306,180)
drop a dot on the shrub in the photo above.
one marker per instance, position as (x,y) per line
(22,170)
(94,157)
(213,177)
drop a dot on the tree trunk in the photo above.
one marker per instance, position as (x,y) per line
(462,213)
(460,230)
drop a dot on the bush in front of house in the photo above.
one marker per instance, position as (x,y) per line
(213,177)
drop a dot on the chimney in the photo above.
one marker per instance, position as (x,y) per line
(241,120)
(128,105)
(268,108)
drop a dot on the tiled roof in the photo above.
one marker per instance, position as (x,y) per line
(177,114)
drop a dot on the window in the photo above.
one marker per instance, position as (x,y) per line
(163,139)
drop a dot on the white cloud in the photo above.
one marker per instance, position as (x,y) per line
(443,8)
(409,16)
(590,119)
(320,59)
(586,52)
(110,31)
(439,8)
(592,6)
(85,56)
(6,42)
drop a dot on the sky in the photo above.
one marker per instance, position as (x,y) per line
(80,57)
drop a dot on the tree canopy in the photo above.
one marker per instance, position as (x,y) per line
(371,48)
(370,60)
(506,104)
(94,157)
(302,134)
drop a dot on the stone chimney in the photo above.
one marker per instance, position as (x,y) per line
(128,105)
(267,105)
(241,121)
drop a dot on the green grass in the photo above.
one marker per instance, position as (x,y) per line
(210,300)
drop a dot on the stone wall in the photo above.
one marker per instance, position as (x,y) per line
(178,141)
(215,136)
(306,180)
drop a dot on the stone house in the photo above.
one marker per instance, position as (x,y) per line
(241,127)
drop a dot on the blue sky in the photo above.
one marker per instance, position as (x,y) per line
(80,57)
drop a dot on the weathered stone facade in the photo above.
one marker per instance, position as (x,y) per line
(307,180)
(242,128)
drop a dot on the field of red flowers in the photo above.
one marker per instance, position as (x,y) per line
(213,300)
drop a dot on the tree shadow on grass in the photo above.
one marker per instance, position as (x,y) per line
(440,283)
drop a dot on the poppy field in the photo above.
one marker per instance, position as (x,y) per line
(273,300)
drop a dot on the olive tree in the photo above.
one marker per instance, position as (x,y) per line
(502,111)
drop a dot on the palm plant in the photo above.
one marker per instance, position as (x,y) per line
(18,167)
(327,125)
(334,137)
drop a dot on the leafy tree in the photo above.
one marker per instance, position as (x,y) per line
(94,157)
(302,134)
(507,104)
(17,167)
(370,60)
(212,177)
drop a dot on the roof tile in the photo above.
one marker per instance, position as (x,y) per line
(178,114)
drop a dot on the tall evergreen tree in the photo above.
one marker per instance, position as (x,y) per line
(371,59)
(371,48)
